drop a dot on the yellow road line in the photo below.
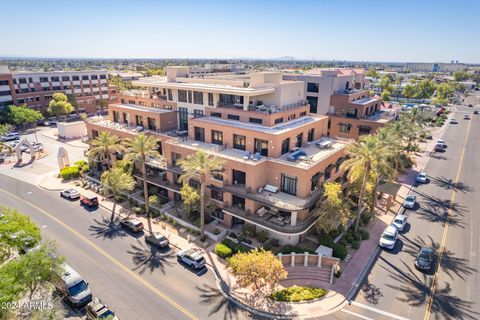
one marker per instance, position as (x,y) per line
(106,255)
(445,229)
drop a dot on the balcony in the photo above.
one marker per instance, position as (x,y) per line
(263,108)
(160,182)
(278,200)
(378,116)
(272,221)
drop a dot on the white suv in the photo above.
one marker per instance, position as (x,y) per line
(389,237)
(191,258)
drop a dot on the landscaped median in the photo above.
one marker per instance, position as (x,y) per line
(298,294)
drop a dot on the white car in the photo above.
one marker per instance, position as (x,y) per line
(389,237)
(466,117)
(442,142)
(11,136)
(70,194)
(453,121)
(421,177)
(191,258)
(409,201)
(399,222)
(37,147)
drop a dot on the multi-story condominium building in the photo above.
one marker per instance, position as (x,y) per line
(35,89)
(435,67)
(276,154)
(343,94)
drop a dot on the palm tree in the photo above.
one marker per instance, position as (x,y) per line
(200,165)
(103,147)
(364,154)
(117,180)
(138,150)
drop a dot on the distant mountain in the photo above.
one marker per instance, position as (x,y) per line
(288,58)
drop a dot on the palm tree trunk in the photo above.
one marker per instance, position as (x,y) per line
(145,194)
(360,199)
(202,208)
(114,205)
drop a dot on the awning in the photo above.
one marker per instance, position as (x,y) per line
(390,188)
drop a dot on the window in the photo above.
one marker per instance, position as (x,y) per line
(285,145)
(311,135)
(56,88)
(216,114)
(217,195)
(37,98)
(55,79)
(261,146)
(299,140)
(102,76)
(278,120)
(151,124)
(84,77)
(312,101)
(20,101)
(4,93)
(94,77)
(351,113)
(24,90)
(303,113)
(22,80)
(183,118)
(175,158)
(197,97)
(30,80)
(364,130)
(32,89)
(75,78)
(139,120)
(255,120)
(197,113)
(344,128)
(124,116)
(3,82)
(292,116)
(182,96)
(210,99)
(169,95)
(233,117)
(239,142)
(199,134)
(189,96)
(115,116)
(43,79)
(65,78)
(289,184)
(312,87)
(218,175)
(217,137)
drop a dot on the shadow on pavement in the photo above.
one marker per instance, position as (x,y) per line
(107,229)
(449,184)
(371,293)
(220,305)
(149,258)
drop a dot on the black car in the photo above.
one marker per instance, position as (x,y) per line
(424,260)
(157,239)
(475,112)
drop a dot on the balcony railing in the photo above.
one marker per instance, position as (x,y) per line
(300,227)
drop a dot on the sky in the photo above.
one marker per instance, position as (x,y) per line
(368,30)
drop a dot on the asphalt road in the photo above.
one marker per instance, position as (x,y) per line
(136,281)
(394,289)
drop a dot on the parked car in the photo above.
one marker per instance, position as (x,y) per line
(37,147)
(409,201)
(157,239)
(424,260)
(466,117)
(191,258)
(70,194)
(421,177)
(132,224)
(73,288)
(470,105)
(399,222)
(475,112)
(96,309)
(88,201)
(389,237)
(11,136)
(438,147)
(453,121)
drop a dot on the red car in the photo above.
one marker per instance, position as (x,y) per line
(88,201)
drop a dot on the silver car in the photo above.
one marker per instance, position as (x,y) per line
(70,194)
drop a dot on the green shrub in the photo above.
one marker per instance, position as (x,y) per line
(137,210)
(169,219)
(364,234)
(82,166)
(235,247)
(339,251)
(119,199)
(216,231)
(163,217)
(70,172)
(297,294)
(349,238)
(343,242)
(223,251)
(356,244)
(356,237)
(262,236)
(326,240)
(286,249)
(365,218)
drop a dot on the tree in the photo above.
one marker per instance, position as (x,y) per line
(371,73)
(364,154)
(409,91)
(23,115)
(335,210)
(138,150)
(103,147)
(103,104)
(200,165)
(384,82)
(4,129)
(37,268)
(59,105)
(16,230)
(72,98)
(461,75)
(425,89)
(117,180)
(386,96)
(190,198)
(258,267)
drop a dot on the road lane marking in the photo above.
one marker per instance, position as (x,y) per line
(385,313)
(106,255)
(445,229)
(357,315)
